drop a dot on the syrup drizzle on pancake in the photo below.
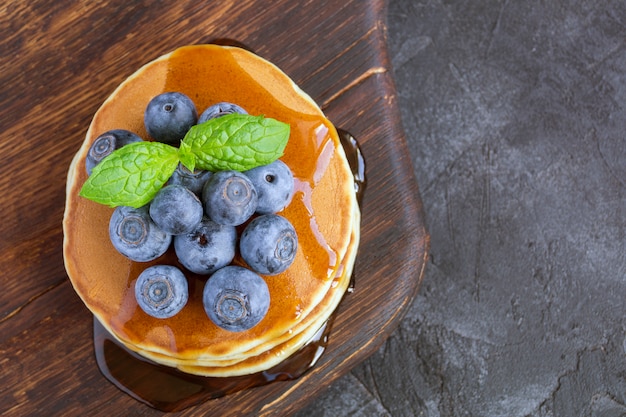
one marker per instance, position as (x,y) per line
(168,389)
(323,212)
(165,387)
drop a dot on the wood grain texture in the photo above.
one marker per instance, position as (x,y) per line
(61,59)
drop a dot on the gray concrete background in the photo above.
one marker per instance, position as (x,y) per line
(514,114)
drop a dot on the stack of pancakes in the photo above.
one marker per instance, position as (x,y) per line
(324,212)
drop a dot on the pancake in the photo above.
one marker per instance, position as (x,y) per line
(264,359)
(323,211)
(280,347)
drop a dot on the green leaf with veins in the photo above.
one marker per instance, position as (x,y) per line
(132,175)
(234,142)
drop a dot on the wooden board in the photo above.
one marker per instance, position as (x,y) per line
(60,59)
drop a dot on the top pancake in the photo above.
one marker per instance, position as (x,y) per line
(322,210)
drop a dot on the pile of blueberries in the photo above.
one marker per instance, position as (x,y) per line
(199,212)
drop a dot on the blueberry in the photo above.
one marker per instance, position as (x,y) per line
(176,210)
(269,244)
(209,247)
(169,116)
(134,234)
(106,143)
(161,291)
(194,181)
(218,110)
(274,185)
(229,198)
(236,298)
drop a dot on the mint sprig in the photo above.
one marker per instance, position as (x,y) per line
(234,142)
(132,175)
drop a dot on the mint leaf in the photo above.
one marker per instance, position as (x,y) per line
(234,142)
(187,158)
(132,175)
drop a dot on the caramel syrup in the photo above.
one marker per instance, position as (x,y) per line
(168,389)
(356,162)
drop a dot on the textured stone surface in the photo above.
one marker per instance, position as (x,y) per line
(514,112)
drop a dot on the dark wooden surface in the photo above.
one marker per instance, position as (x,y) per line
(60,59)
